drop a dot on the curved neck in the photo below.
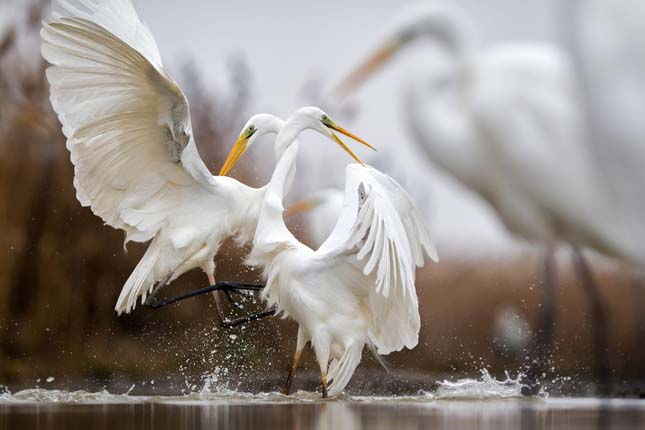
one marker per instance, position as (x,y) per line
(271,230)
(442,24)
(288,134)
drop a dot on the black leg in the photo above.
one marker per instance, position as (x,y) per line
(232,301)
(543,340)
(598,320)
(234,287)
(247,318)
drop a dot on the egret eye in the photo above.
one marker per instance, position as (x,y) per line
(250,131)
(325,120)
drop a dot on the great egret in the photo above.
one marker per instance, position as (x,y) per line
(358,287)
(507,123)
(129,133)
(607,42)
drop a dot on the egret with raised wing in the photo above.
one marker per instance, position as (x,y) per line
(358,288)
(136,164)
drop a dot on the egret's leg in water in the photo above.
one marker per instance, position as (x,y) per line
(302,341)
(322,357)
(598,319)
(542,342)
(323,381)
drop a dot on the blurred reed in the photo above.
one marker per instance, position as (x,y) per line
(61,269)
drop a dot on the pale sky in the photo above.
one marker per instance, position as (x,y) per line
(286,42)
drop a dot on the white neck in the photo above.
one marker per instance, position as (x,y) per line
(442,23)
(271,230)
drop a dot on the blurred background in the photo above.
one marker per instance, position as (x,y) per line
(61,269)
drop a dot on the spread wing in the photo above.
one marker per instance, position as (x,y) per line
(126,121)
(380,230)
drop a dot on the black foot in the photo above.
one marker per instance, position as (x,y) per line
(152,302)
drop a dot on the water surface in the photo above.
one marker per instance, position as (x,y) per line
(42,409)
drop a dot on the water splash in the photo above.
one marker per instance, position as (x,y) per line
(41,395)
(215,382)
(484,388)
(216,387)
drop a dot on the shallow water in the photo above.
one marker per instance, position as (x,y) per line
(485,403)
(307,411)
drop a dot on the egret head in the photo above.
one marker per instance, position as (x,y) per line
(258,125)
(314,118)
(440,21)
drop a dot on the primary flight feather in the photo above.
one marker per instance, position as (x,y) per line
(129,134)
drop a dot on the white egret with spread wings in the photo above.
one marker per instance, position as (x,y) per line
(136,164)
(358,288)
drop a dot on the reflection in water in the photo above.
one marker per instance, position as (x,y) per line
(409,413)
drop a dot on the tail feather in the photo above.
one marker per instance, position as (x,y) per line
(138,283)
(378,357)
(342,369)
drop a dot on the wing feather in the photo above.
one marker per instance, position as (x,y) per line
(380,230)
(127,122)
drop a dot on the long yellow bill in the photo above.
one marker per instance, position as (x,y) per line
(238,149)
(365,70)
(346,148)
(340,129)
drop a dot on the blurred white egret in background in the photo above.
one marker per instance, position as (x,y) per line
(135,160)
(507,122)
(607,42)
(18,42)
(357,288)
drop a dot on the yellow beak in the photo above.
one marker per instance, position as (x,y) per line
(341,130)
(350,135)
(238,149)
(365,70)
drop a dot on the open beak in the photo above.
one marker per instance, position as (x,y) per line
(238,149)
(341,130)
(365,70)
(342,144)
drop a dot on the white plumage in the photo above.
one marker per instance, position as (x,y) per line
(507,123)
(129,134)
(607,40)
(358,287)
